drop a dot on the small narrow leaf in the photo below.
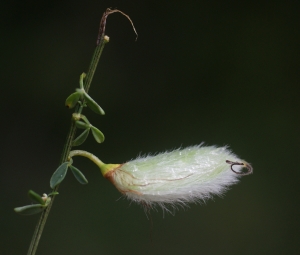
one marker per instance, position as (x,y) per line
(54,193)
(84,118)
(81,125)
(78,175)
(30,209)
(59,175)
(98,135)
(72,100)
(91,103)
(81,138)
(36,197)
(82,76)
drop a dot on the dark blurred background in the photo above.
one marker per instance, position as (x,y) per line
(219,72)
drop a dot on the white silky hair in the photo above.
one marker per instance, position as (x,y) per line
(178,177)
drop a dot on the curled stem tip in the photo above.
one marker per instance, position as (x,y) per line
(248,166)
(103,23)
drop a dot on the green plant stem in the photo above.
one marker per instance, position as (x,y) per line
(88,155)
(93,65)
(104,168)
(101,41)
(68,145)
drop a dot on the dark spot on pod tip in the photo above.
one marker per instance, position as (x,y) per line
(246,165)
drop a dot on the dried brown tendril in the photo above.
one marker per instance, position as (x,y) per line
(246,165)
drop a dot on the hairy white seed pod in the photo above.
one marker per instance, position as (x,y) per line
(185,175)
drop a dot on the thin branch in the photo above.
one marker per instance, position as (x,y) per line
(101,41)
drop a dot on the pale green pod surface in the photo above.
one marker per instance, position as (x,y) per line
(185,175)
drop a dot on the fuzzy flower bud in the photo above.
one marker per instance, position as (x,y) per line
(185,175)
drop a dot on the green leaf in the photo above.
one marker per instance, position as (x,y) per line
(81,138)
(54,193)
(30,209)
(59,175)
(78,175)
(81,124)
(98,135)
(91,103)
(36,197)
(72,100)
(84,118)
(82,76)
